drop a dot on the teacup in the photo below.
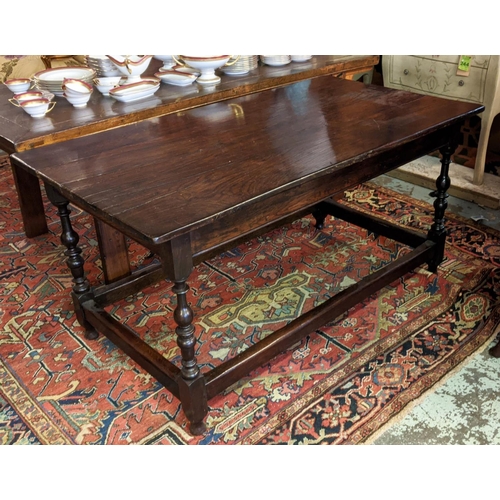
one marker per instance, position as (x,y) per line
(25,96)
(37,107)
(75,87)
(78,101)
(18,85)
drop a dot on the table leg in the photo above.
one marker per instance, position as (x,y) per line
(438,231)
(495,350)
(191,383)
(30,202)
(114,252)
(70,238)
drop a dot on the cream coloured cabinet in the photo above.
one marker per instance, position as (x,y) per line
(437,75)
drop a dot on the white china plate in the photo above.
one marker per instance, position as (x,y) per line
(300,58)
(178,78)
(59,74)
(134,91)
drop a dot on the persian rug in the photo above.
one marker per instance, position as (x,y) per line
(339,385)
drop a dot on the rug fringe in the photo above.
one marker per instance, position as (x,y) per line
(410,406)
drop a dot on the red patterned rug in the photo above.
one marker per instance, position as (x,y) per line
(337,386)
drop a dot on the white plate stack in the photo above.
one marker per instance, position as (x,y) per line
(275,60)
(300,58)
(51,80)
(102,65)
(242,66)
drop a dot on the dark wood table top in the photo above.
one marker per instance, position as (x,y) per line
(19,132)
(160,178)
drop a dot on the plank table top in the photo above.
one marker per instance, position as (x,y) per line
(162,177)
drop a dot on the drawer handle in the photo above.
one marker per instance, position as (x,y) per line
(461,83)
(406,72)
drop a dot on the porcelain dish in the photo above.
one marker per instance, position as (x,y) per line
(134,91)
(131,67)
(206,65)
(178,78)
(168,62)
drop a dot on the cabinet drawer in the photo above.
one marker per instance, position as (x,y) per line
(434,76)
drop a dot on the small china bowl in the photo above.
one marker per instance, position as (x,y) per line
(78,101)
(38,107)
(76,88)
(25,96)
(18,85)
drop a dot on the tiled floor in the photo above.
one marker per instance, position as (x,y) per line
(466,408)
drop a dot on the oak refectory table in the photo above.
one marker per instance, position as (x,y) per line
(20,132)
(189,185)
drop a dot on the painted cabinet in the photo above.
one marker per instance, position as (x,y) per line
(437,75)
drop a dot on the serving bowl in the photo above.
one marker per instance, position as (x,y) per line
(131,66)
(37,107)
(18,85)
(168,62)
(206,65)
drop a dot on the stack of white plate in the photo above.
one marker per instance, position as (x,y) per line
(300,58)
(102,65)
(52,80)
(275,60)
(242,66)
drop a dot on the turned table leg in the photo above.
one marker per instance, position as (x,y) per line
(70,239)
(178,263)
(437,232)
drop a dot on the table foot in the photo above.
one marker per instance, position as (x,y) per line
(197,429)
(495,351)
(320,216)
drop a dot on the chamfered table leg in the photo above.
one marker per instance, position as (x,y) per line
(30,202)
(114,252)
